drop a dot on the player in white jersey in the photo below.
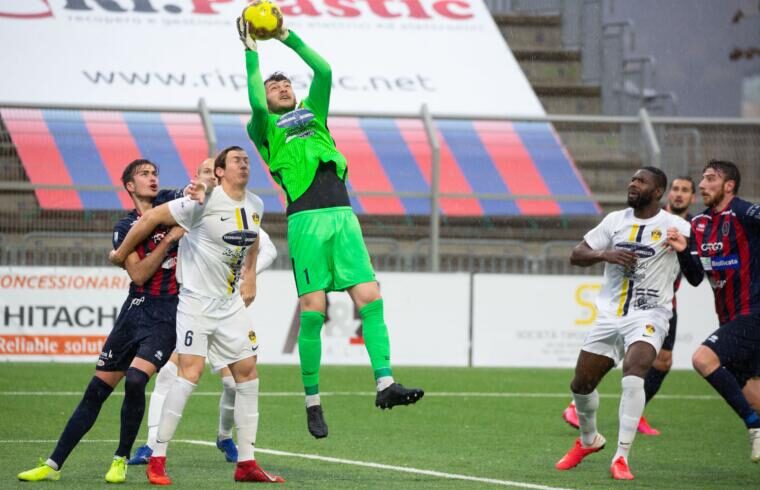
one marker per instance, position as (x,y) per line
(634,304)
(220,245)
(168,374)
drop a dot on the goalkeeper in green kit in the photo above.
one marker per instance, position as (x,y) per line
(325,241)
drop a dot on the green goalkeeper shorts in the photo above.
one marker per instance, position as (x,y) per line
(327,250)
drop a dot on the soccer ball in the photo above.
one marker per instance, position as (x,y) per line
(264,19)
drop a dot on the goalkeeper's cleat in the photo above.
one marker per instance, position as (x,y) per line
(646,429)
(156,471)
(397,394)
(576,454)
(228,447)
(250,471)
(619,469)
(571,416)
(118,471)
(754,442)
(142,455)
(315,421)
(40,473)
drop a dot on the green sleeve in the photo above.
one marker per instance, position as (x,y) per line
(319,91)
(257,126)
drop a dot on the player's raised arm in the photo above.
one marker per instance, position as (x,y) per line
(257,99)
(319,91)
(142,230)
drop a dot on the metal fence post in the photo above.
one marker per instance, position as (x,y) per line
(649,138)
(435,190)
(208,127)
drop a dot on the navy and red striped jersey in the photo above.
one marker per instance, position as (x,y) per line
(726,244)
(163,282)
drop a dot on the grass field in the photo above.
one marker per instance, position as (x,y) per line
(475,428)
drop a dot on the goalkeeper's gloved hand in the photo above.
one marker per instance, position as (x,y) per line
(245,37)
(283,33)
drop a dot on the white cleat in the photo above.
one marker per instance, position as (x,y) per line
(754,442)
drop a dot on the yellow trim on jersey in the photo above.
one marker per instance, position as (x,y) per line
(232,276)
(626,284)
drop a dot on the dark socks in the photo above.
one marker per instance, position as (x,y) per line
(725,383)
(652,382)
(132,410)
(82,420)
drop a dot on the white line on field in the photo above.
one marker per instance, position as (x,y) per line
(450,394)
(327,459)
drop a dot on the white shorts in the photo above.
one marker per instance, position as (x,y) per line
(219,329)
(612,336)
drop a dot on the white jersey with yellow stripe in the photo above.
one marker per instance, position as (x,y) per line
(219,234)
(649,284)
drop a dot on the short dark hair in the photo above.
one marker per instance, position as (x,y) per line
(129,172)
(689,180)
(729,170)
(221,159)
(277,76)
(660,179)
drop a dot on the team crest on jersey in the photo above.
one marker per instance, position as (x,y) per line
(701,226)
(656,234)
(240,238)
(649,330)
(256,219)
(252,336)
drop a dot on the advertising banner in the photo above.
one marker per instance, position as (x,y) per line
(541,321)
(387,56)
(65,314)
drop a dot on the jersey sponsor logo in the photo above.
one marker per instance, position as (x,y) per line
(724,263)
(302,134)
(712,247)
(298,118)
(641,251)
(656,234)
(240,238)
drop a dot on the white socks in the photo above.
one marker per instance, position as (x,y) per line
(226,408)
(586,407)
(247,418)
(632,404)
(164,381)
(174,405)
(383,382)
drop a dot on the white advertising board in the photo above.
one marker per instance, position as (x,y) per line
(387,56)
(64,314)
(541,321)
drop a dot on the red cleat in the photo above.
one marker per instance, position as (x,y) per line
(156,471)
(251,471)
(571,416)
(647,429)
(619,469)
(576,454)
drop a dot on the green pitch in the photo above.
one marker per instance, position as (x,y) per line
(491,427)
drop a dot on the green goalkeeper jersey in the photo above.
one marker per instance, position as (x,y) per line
(296,143)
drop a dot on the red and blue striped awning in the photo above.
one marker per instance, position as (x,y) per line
(91,148)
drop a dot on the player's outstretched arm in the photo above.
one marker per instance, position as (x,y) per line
(257,99)
(319,91)
(142,270)
(691,267)
(248,274)
(141,230)
(585,256)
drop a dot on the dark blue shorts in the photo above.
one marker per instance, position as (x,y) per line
(670,340)
(146,328)
(737,344)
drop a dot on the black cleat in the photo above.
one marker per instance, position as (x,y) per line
(396,394)
(315,420)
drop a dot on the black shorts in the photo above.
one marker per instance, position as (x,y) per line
(737,344)
(146,328)
(670,340)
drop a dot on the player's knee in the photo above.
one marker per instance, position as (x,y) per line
(664,361)
(582,386)
(705,361)
(135,382)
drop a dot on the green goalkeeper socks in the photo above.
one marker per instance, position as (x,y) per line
(310,349)
(376,338)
